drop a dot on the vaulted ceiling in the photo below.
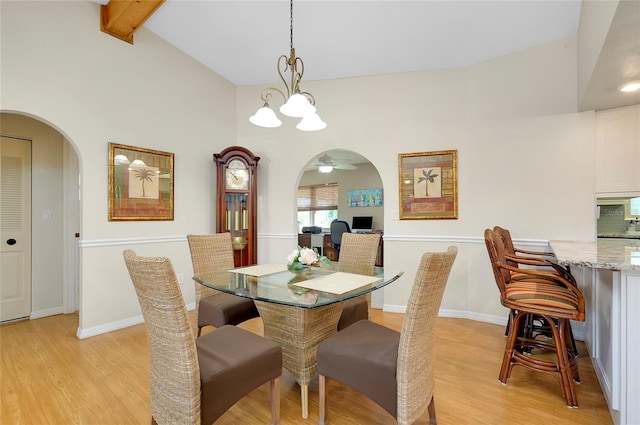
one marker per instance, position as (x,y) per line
(241,40)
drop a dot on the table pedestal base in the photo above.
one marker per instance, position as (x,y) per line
(299,331)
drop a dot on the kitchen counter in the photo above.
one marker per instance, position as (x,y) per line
(613,254)
(625,235)
(608,274)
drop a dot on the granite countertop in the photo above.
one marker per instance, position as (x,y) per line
(614,254)
(634,235)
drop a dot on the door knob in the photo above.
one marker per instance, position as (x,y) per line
(11,241)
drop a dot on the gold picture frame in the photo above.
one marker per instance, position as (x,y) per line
(428,183)
(140,184)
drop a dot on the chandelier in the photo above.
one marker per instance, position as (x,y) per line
(297,104)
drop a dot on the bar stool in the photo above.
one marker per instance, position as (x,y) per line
(540,260)
(554,300)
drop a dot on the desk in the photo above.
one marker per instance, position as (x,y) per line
(296,317)
(325,246)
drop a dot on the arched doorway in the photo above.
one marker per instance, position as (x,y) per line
(55,216)
(348,173)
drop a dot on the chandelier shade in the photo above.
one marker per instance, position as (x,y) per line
(311,122)
(265,117)
(297,103)
(297,107)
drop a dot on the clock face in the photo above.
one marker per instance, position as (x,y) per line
(237,178)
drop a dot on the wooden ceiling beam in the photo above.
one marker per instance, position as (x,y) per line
(122,18)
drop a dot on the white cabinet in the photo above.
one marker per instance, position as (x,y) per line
(613,324)
(618,151)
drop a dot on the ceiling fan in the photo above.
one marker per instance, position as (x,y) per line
(326,164)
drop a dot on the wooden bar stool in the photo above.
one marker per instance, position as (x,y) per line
(555,301)
(540,260)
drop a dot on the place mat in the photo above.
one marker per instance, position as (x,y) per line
(338,283)
(261,269)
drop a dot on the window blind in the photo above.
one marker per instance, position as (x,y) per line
(321,197)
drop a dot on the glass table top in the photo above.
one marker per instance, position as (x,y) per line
(313,287)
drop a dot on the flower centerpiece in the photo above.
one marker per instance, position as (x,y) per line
(304,257)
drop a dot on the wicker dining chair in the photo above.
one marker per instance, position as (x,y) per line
(211,253)
(394,369)
(555,301)
(358,251)
(194,381)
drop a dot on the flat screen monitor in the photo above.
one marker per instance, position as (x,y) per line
(362,224)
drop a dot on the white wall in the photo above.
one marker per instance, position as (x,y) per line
(526,158)
(93,88)
(595,23)
(525,161)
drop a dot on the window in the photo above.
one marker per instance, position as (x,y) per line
(317,205)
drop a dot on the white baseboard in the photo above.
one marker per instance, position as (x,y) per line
(114,326)
(577,328)
(457,314)
(45,313)
(496,320)
(108,327)
(479,317)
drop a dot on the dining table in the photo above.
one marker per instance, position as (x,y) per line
(300,308)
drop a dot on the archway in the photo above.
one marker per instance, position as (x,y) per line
(55,218)
(351,176)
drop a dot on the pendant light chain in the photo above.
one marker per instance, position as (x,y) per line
(297,103)
(291,23)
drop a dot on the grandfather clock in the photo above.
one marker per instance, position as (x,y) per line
(237,195)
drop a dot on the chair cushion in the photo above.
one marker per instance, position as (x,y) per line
(544,296)
(353,310)
(233,362)
(225,309)
(364,357)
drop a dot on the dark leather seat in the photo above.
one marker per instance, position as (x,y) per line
(394,369)
(197,380)
(230,368)
(358,255)
(211,253)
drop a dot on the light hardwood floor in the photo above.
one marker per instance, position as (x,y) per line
(48,376)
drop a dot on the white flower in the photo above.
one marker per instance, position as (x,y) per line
(304,257)
(308,256)
(292,257)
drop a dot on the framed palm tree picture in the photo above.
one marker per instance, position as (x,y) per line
(140,184)
(428,183)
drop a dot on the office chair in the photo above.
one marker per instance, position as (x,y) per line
(338,227)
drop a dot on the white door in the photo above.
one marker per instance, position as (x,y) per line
(15,228)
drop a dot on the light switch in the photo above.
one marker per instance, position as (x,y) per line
(394,215)
(46,215)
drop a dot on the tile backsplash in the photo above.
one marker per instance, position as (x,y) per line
(612,219)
